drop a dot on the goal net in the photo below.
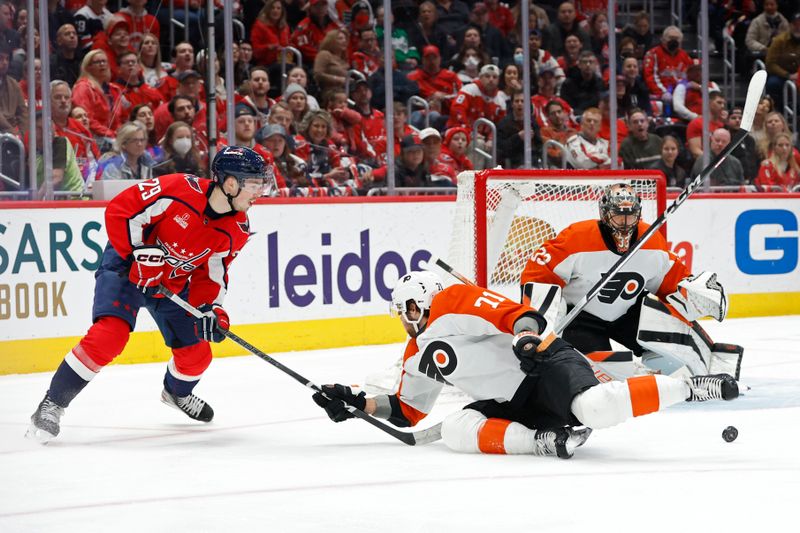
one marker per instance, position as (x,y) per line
(502,216)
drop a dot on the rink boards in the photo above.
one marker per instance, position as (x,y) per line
(318,273)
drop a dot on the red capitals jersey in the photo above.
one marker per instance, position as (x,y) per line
(466,343)
(473,103)
(307,37)
(663,71)
(140,26)
(172,211)
(578,256)
(444,81)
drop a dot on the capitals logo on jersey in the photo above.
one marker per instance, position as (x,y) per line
(179,260)
(438,361)
(624,285)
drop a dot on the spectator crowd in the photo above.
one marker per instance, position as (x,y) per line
(125,104)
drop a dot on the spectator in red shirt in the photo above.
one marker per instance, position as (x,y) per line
(557,129)
(372,119)
(114,42)
(93,93)
(86,151)
(547,94)
(573,47)
(780,168)
(694,131)
(500,16)
(189,87)
(270,33)
(437,85)
(480,99)
(132,90)
(348,131)
(309,33)
(183,56)
(367,59)
(441,166)
(140,21)
(666,64)
(456,141)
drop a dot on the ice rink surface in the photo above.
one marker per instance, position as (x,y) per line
(272,461)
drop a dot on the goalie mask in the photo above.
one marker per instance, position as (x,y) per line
(417,287)
(620,211)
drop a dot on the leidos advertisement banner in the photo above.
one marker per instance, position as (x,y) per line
(314,261)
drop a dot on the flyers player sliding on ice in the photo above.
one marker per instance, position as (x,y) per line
(533,395)
(178,231)
(662,328)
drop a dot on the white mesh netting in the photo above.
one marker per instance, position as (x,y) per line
(524,209)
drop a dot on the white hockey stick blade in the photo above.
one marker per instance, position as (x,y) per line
(754,91)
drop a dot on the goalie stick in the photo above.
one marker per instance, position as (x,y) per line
(411,438)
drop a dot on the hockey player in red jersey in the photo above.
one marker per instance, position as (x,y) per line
(178,231)
(661,330)
(531,393)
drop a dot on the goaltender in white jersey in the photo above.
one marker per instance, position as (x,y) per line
(532,393)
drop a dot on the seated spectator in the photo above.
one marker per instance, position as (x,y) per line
(582,90)
(729,171)
(605,124)
(409,168)
(405,55)
(573,47)
(440,165)
(93,93)
(511,151)
(179,152)
(325,166)
(65,174)
(500,16)
(85,149)
(37,90)
(281,114)
(372,120)
(132,89)
(427,31)
(598,37)
(780,169)
(436,85)
(764,28)
(640,32)
(783,60)
(153,69)
(144,113)
(331,64)
(348,131)
(687,97)
(183,57)
(636,92)
(13,110)
(244,127)
(546,94)
(367,58)
(492,40)
(65,62)
(665,65)
(640,149)
(765,106)
(9,36)
(542,59)
(566,24)
(469,62)
(453,16)
(291,169)
(258,99)
(129,159)
(456,141)
(694,131)
(774,124)
(115,41)
(675,174)
(309,33)
(480,99)
(80,115)
(270,33)
(586,149)
(746,152)
(298,75)
(295,97)
(401,129)
(189,85)
(140,22)
(90,20)
(557,129)
(511,78)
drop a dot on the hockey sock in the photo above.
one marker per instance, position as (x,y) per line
(610,403)
(67,383)
(468,431)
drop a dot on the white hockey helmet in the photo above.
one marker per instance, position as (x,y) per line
(620,211)
(419,287)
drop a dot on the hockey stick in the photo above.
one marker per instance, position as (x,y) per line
(754,91)
(411,438)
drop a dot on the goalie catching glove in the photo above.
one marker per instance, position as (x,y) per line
(213,324)
(147,268)
(335,399)
(699,296)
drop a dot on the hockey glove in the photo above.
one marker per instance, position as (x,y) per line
(699,296)
(147,268)
(337,398)
(213,324)
(526,346)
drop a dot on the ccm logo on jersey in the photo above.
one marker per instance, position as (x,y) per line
(766,241)
(625,285)
(438,360)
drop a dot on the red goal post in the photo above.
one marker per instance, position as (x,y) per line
(502,216)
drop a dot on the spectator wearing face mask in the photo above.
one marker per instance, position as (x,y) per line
(666,64)
(179,152)
(764,28)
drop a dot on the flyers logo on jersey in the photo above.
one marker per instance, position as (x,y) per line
(625,285)
(438,361)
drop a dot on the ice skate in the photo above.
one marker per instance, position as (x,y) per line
(45,422)
(193,406)
(561,442)
(713,387)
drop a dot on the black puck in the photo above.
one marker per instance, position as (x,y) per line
(730,433)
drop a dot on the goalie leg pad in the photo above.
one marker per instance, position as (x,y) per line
(662,332)
(609,404)
(469,431)
(726,359)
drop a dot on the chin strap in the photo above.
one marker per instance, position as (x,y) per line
(229,197)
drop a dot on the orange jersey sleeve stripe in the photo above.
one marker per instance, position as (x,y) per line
(644,395)
(491,436)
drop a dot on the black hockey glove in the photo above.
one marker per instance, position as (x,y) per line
(338,397)
(211,326)
(526,347)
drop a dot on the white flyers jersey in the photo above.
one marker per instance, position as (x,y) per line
(466,343)
(578,256)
